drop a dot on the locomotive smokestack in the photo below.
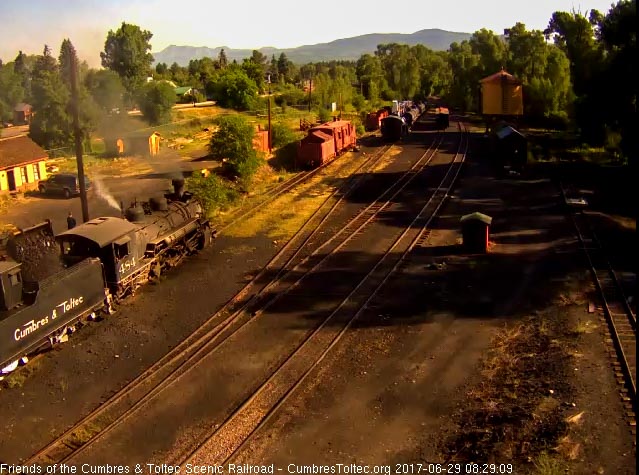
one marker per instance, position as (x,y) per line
(178,187)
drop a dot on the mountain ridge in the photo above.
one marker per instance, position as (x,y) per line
(340,49)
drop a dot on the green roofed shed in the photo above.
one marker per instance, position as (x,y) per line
(476,216)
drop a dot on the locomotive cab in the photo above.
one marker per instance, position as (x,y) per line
(109,239)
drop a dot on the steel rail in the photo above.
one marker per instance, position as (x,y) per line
(621,325)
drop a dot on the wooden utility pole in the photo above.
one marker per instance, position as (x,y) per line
(310,90)
(75,105)
(269,114)
(269,122)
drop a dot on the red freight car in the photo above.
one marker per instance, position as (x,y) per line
(324,142)
(374,119)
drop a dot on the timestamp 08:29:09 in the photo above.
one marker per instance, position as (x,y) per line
(453,468)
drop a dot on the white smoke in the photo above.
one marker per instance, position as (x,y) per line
(102,191)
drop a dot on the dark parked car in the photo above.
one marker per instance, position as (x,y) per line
(65,184)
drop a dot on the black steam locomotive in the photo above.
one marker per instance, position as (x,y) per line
(103,260)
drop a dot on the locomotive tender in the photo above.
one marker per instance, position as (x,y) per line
(105,260)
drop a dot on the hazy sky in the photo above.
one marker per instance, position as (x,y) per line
(28,24)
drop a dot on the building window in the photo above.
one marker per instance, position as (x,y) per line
(23,174)
(36,172)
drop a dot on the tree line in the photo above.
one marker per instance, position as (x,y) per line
(578,71)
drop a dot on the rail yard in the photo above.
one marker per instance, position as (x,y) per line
(367,336)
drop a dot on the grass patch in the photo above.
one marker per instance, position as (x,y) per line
(17,379)
(238,250)
(277,221)
(546,464)
(93,165)
(84,434)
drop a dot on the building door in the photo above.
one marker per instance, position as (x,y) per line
(11,179)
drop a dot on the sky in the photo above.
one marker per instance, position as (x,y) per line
(29,24)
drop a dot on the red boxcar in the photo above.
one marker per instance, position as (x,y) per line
(326,141)
(374,119)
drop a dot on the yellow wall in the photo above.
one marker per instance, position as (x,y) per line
(492,99)
(43,170)
(4,182)
(30,174)
(17,174)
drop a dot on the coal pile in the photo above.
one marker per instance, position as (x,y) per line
(38,252)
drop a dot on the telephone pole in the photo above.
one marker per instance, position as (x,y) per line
(269,114)
(78,137)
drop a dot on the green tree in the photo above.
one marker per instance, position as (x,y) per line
(106,89)
(618,34)
(51,125)
(284,68)
(179,74)
(234,89)
(22,68)
(127,52)
(11,91)
(66,58)
(255,71)
(222,60)
(162,71)
(233,141)
(156,100)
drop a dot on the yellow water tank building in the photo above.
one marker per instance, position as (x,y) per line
(501,94)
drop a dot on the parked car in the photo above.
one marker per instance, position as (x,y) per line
(65,184)
(53,169)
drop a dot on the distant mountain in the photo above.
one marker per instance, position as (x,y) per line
(346,48)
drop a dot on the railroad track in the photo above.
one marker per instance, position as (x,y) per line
(62,451)
(98,424)
(621,319)
(226,440)
(126,400)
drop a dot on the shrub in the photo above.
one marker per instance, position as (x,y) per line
(233,141)
(156,99)
(324,115)
(282,135)
(212,191)
(359,130)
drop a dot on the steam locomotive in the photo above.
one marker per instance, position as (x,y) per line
(103,261)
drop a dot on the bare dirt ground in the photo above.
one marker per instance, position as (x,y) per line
(470,359)
(463,358)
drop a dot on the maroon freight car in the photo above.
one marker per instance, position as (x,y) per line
(324,142)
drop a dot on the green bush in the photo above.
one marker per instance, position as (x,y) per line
(282,135)
(359,102)
(156,100)
(324,115)
(291,94)
(359,130)
(212,191)
(233,141)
